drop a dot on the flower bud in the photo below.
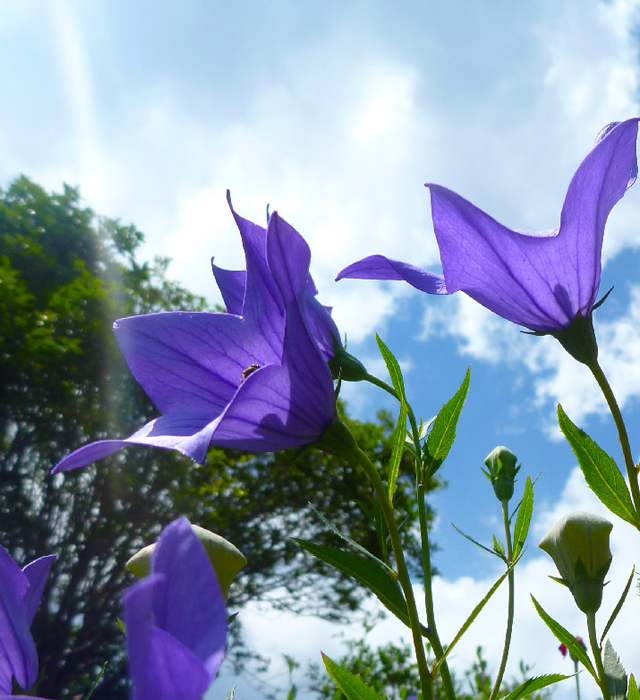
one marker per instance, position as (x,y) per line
(502,470)
(579,547)
(226,558)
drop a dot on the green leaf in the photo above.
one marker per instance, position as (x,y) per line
(619,605)
(375,577)
(350,684)
(231,693)
(525,511)
(532,684)
(474,613)
(95,684)
(614,673)
(393,368)
(468,537)
(443,430)
(566,638)
(632,692)
(397,449)
(600,471)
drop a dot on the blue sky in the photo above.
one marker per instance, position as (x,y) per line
(335,114)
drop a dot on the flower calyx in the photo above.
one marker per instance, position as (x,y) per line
(501,472)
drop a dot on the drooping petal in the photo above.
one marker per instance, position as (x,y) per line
(36,573)
(18,656)
(192,608)
(378,267)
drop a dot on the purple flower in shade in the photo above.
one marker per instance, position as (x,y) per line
(540,280)
(20,593)
(176,620)
(254,379)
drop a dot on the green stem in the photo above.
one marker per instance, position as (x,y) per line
(403,573)
(623,437)
(595,650)
(575,665)
(510,604)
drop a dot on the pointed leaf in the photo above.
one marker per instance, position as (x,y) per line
(566,638)
(632,693)
(614,673)
(619,605)
(474,613)
(525,511)
(443,430)
(486,549)
(393,368)
(600,471)
(231,693)
(376,578)
(532,684)
(351,685)
(397,450)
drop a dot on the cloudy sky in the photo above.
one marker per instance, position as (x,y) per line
(335,113)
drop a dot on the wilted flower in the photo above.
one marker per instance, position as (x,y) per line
(20,593)
(579,547)
(540,280)
(226,558)
(176,620)
(257,382)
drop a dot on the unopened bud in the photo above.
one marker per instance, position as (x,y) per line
(501,472)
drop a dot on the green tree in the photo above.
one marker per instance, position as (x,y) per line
(65,276)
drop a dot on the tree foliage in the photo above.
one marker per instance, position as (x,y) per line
(65,276)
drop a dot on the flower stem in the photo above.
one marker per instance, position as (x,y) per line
(623,437)
(510,603)
(403,574)
(597,657)
(575,665)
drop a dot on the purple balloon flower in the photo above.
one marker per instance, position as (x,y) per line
(20,593)
(254,379)
(540,280)
(176,620)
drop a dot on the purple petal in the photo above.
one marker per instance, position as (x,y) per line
(191,608)
(159,665)
(18,657)
(188,434)
(192,360)
(538,281)
(232,284)
(36,573)
(378,267)
(321,325)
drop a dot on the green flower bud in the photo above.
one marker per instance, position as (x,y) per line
(502,470)
(579,547)
(344,365)
(226,558)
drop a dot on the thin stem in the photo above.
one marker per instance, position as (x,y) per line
(403,574)
(510,604)
(595,650)
(577,677)
(623,437)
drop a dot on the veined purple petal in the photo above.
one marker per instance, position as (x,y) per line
(192,607)
(378,267)
(540,282)
(232,284)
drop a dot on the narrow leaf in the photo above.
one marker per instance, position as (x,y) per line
(566,638)
(525,511)
(348,540)
(231,693)
(468,537)
(533,684)
(614,673)
(600,470)
(474,613)
(351,685)
(393,368)
(633,693)
(616,610)
(443,430)
(397,450)
(375,577)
